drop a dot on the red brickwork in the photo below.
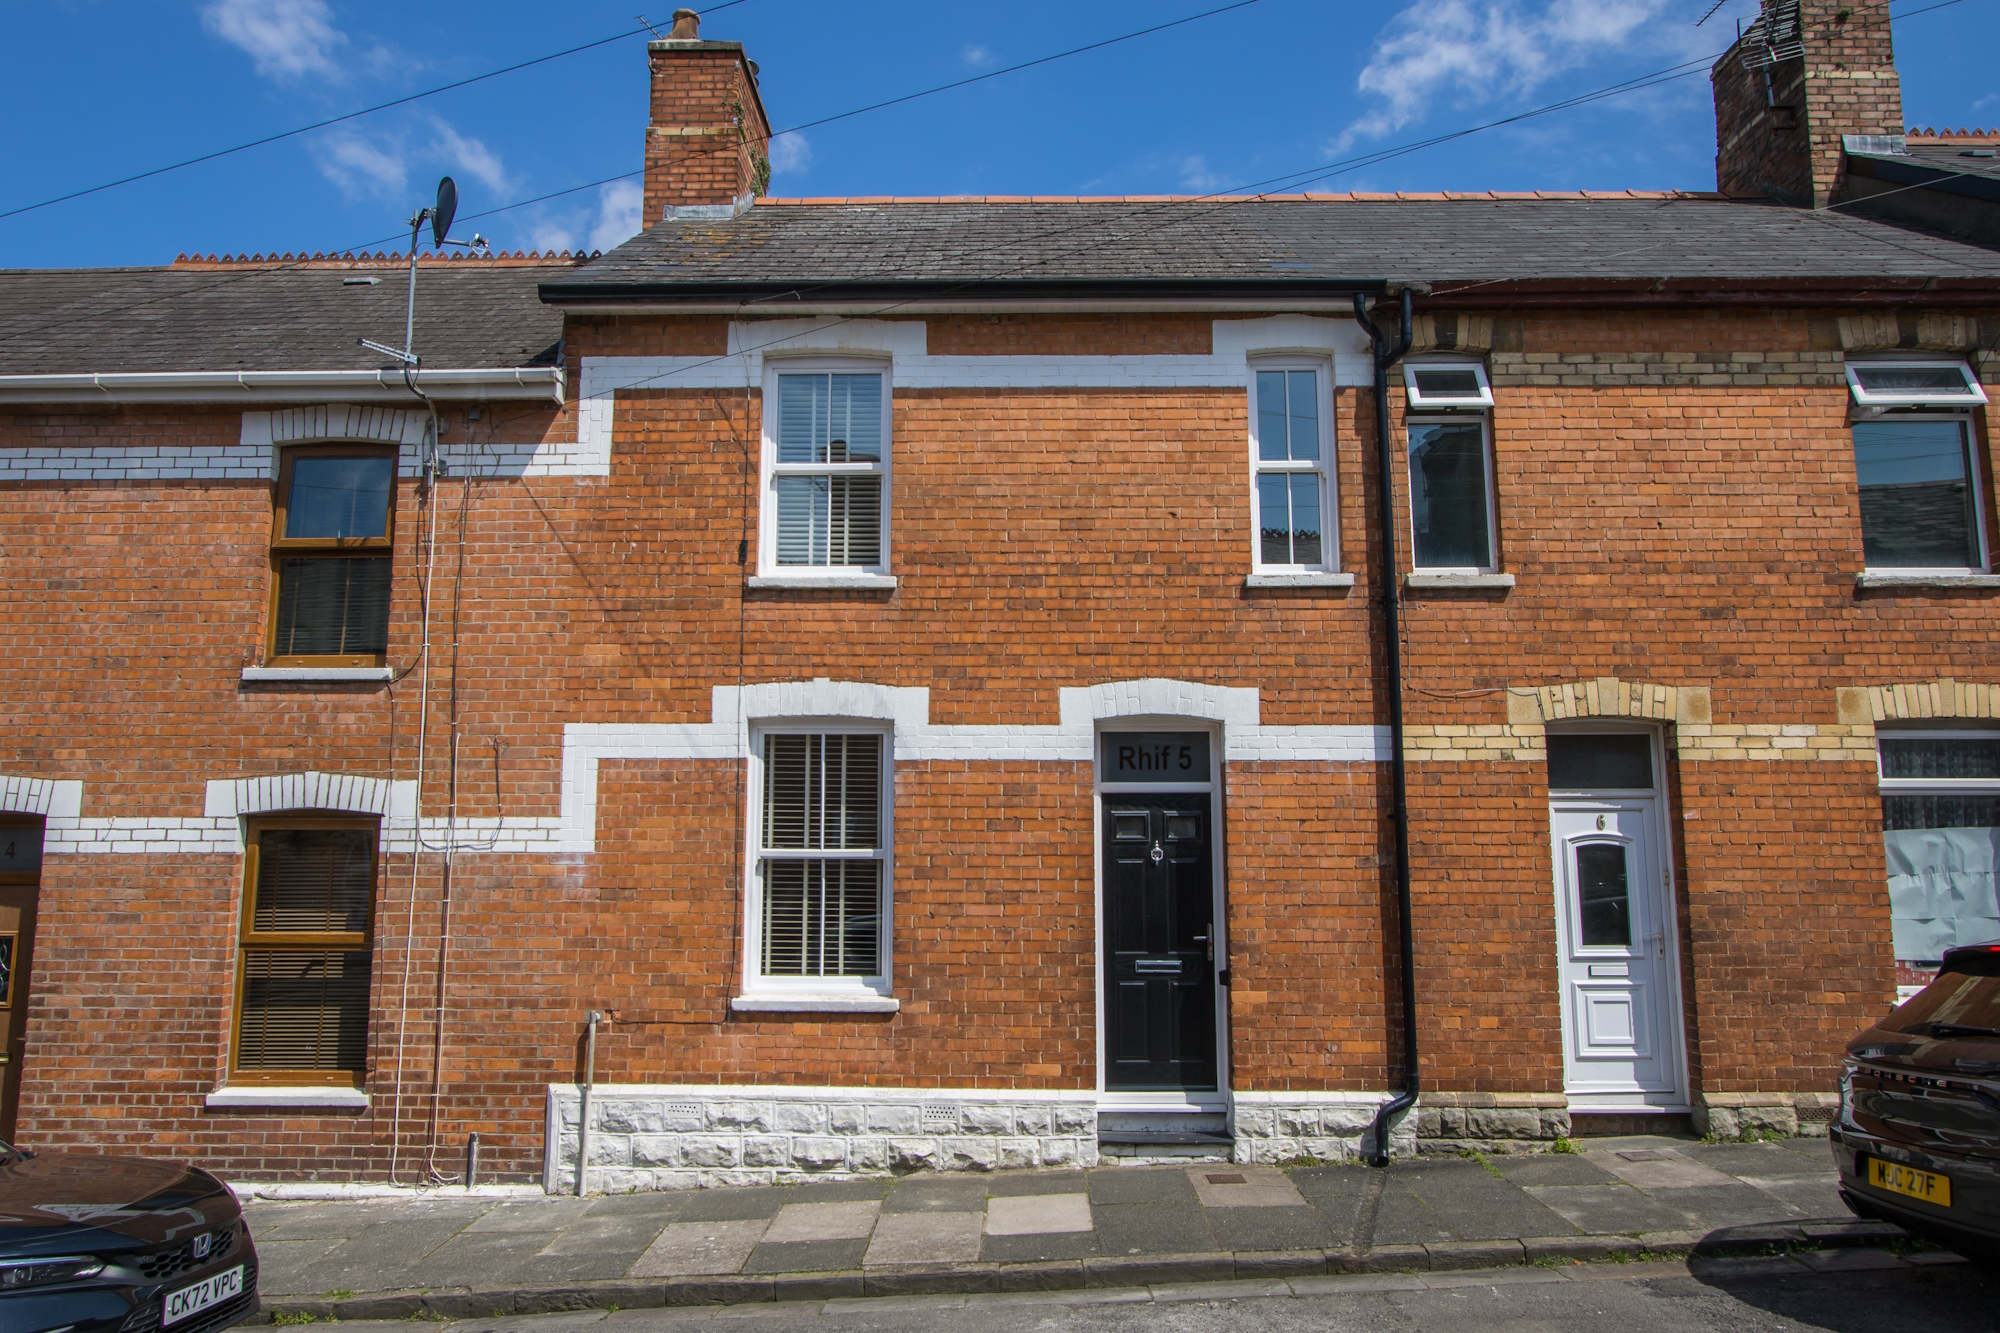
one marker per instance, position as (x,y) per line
(1678,533)
(707,141)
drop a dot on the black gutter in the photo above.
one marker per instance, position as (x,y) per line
(757,296)
(1398,777)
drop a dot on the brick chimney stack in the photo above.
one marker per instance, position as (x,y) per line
(1805,73)
(708,141)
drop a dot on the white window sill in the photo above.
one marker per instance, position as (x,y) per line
(1884,578)
(862,582)
(1458,580)
(313,675)
(1299,580)
(285,1097)
(811,1004)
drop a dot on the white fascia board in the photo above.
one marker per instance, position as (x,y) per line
(285,386)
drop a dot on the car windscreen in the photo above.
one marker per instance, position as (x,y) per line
(1957,1004)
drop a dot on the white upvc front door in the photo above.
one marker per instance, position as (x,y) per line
(1621,1012)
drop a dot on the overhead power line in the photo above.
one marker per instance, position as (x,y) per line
(341,119)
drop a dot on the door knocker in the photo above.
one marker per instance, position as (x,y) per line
(1158,855)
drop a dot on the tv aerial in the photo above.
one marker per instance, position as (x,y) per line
(439,215)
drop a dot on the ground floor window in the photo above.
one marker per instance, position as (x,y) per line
(823,858)
(1941,839)
(306,950)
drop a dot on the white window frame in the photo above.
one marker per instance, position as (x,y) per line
(1329,563)
(1485,420)
(1866,397)
(1418,402)
(770,572)
(856,993)
(1974,478)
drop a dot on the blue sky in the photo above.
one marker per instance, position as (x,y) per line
(99,89)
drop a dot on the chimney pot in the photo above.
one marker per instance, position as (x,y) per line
(687,26)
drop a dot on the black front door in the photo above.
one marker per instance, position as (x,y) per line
(1159,912)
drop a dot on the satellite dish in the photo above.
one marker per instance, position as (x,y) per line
(447,206)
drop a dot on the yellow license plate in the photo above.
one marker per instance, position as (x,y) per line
(1926,1185)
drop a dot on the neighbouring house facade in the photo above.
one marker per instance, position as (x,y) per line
(872,684)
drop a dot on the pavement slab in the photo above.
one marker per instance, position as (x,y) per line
(1139,1184)
(1005,1183)
(806,1256)
(1404,1219)
(1766,1161)
(1653,1168)
(1730,1204)
(532,1215)
(1243,1187)
(478,1261)
(1608,1210)
(848,1220)
(1296,1228)
(731,1205)
(1553,1169)
(282,1265)
(693,1249)
(1037,1214)
(936,1194)
(925,1238)
(1153,1228)
(1477,1204)
(627,1236)
(1044,1248)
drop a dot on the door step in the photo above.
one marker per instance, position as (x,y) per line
(1195,1134)
(1162,1139)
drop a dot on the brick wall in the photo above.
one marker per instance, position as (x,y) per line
(1692,523)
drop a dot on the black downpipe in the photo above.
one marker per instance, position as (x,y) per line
(1399,791)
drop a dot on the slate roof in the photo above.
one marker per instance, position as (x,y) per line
(1940,167)
(813,249)
(470,315)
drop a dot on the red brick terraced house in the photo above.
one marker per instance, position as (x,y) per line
(862,685)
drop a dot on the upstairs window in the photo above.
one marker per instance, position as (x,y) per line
(823,861)
(1914,384)
(1451,467)
(306,950)
(1291,446)
(1446,384)
(1919,489)
(827,478)
(330,562)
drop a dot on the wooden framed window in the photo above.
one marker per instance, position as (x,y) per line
(331,536)
(306,950)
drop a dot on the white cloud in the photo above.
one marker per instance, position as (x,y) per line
(619,214)
(978,57)
(1463,53)
(790,154)
(359,166)
(470,156)
(287,39)
(550,236)
(1195,175)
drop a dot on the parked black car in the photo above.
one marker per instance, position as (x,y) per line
(1918,1139)
(99,1244)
